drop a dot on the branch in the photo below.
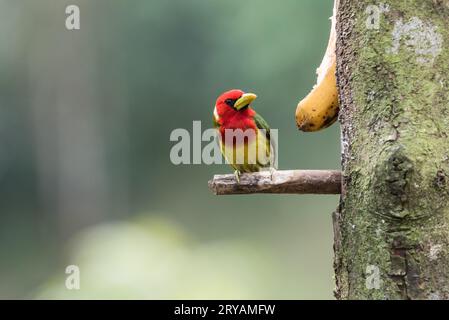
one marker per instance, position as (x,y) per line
(284,181)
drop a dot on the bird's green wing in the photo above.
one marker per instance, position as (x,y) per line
(262,124)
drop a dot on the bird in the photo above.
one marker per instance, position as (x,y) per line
(251,148)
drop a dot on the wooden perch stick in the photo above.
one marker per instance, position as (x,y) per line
(284,181)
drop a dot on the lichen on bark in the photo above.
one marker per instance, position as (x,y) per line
(394,95)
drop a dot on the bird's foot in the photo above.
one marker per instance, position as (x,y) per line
(272,171)
(237,175)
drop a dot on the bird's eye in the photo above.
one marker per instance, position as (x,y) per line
(230,102)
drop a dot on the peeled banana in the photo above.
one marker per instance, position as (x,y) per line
(319,109)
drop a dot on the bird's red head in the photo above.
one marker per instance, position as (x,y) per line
(229,98)
(235,99)
(233,103)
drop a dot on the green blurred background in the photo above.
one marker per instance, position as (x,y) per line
(85,173)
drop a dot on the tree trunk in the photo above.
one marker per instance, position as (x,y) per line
(392,226)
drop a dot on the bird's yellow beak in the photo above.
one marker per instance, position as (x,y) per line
(244,100)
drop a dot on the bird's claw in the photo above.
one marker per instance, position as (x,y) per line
(237,175)
(272,171)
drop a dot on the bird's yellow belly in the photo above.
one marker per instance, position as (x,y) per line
(249,156)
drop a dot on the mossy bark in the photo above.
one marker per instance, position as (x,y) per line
(392,226)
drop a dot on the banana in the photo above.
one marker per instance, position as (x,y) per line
(319,109)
